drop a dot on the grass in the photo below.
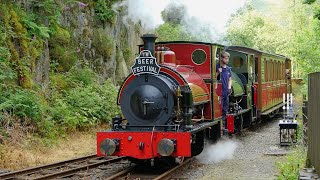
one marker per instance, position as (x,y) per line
(292,164)
(18,155)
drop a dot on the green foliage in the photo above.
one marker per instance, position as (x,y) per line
(294,162)
(64,56)
(22,103)
(48,130)
(86,106)
(103,43)
(315,6)
(127,53)
(103,10)
(293,33)
(81,77)
(59,82)
(46,10)
(244,28)
(94,101)
(4,54)
(75,99)
(60,36)
(15,33)
(61,49)
(35,29)
(173,32)
(176,28)
(81,101)
(174,13)
(309,1)
(6,73)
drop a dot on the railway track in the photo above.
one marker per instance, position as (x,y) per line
(62,169)
(141,172)
(82,167)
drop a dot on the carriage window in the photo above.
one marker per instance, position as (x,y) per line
(199,56)
(272,70)
(237,62)
(278,70)
(265,70)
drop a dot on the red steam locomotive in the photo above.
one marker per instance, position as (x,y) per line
(171,100)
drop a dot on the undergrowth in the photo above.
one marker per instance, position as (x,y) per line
(75,98)
(79,103)
(293,163)
(47,91)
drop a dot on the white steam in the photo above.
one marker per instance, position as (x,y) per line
(148,12)
(209,14)
(214,13)
(215,153)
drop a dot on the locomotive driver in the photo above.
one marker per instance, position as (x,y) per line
(224,75)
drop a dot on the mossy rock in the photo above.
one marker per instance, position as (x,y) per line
(26,81)
(127,54)
(36,48)
(103,43)
(60,36)
(65,57)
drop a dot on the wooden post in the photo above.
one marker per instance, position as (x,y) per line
(314,120)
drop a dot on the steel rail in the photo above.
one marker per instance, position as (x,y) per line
(120,173)
(81,168)
(32,170)
(162,176)
(12,174)
(170,171)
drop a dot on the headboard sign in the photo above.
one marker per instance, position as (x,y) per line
(145,63)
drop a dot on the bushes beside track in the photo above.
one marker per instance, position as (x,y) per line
(75,100)
(289,168)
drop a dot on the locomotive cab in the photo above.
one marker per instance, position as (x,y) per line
(243,75)
(241,105)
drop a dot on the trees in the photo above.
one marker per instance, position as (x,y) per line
(179,25)
(316,7)
(293,33)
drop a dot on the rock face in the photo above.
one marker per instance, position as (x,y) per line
(107,48)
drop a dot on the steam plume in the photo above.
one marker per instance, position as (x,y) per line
(199,15)
(215,153)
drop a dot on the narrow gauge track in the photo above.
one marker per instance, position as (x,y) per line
(138,172)
(61,169)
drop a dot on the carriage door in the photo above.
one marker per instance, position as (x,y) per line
(252,90)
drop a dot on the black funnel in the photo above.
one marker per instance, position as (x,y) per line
(149,42)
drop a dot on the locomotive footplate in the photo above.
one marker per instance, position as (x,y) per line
(204,125)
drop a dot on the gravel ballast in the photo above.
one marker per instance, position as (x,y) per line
(251,155)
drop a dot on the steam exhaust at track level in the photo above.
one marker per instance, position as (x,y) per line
(220,151)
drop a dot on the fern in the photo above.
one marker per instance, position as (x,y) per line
(41,31)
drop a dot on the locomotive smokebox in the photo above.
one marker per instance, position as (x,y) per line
(149,42)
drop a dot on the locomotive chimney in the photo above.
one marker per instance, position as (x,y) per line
(149,42)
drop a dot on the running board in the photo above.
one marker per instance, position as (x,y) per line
(239,112)
(272,109)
